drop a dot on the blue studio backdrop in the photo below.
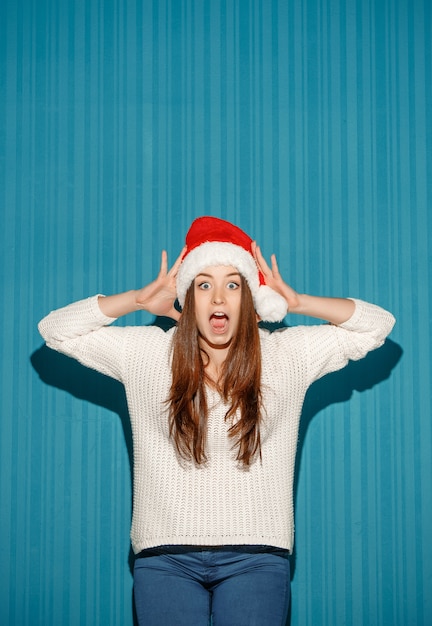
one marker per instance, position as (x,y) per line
(307,123)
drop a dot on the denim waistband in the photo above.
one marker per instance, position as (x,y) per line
(184,549)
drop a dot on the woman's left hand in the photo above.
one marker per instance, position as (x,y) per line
(273,278)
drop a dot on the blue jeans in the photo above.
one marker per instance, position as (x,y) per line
(226,586)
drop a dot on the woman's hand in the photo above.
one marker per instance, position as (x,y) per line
(274,280)
(333,310)
(159,296)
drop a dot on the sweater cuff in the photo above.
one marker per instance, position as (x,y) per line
(94,308)
(367,317)
(352,323)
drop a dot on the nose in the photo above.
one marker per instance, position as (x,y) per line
(217,296)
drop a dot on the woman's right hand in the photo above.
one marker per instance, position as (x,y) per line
(159,296)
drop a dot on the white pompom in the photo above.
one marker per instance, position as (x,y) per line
(270,306)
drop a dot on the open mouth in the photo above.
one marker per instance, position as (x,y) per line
(219,322)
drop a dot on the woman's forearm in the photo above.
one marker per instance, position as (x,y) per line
(118,304)
(333,310)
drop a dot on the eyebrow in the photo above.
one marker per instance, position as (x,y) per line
(230,275)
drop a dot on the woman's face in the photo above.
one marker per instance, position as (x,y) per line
(217,293)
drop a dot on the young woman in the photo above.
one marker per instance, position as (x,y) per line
(215,405)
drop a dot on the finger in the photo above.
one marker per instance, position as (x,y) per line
(261,262)
(275,267)
(164,263)
(173,271)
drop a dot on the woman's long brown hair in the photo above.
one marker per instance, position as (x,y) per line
(240,385)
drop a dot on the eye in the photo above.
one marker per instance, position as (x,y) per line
(204,285)
(233,285)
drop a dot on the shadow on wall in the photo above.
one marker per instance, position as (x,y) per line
(62,372)
(339,386)
(67,374)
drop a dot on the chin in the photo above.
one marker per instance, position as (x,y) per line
(217,341)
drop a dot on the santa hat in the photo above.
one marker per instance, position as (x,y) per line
(212,241)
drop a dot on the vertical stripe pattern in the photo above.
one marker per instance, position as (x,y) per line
(308,123)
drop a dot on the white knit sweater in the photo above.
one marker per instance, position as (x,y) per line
(220,503)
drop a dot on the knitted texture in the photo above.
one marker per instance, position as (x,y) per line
(221,503)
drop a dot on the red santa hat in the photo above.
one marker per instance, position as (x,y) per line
(212,241)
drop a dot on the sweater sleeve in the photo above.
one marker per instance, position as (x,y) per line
(329,348)
(80,330)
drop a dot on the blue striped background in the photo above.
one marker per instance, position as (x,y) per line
(308,123)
